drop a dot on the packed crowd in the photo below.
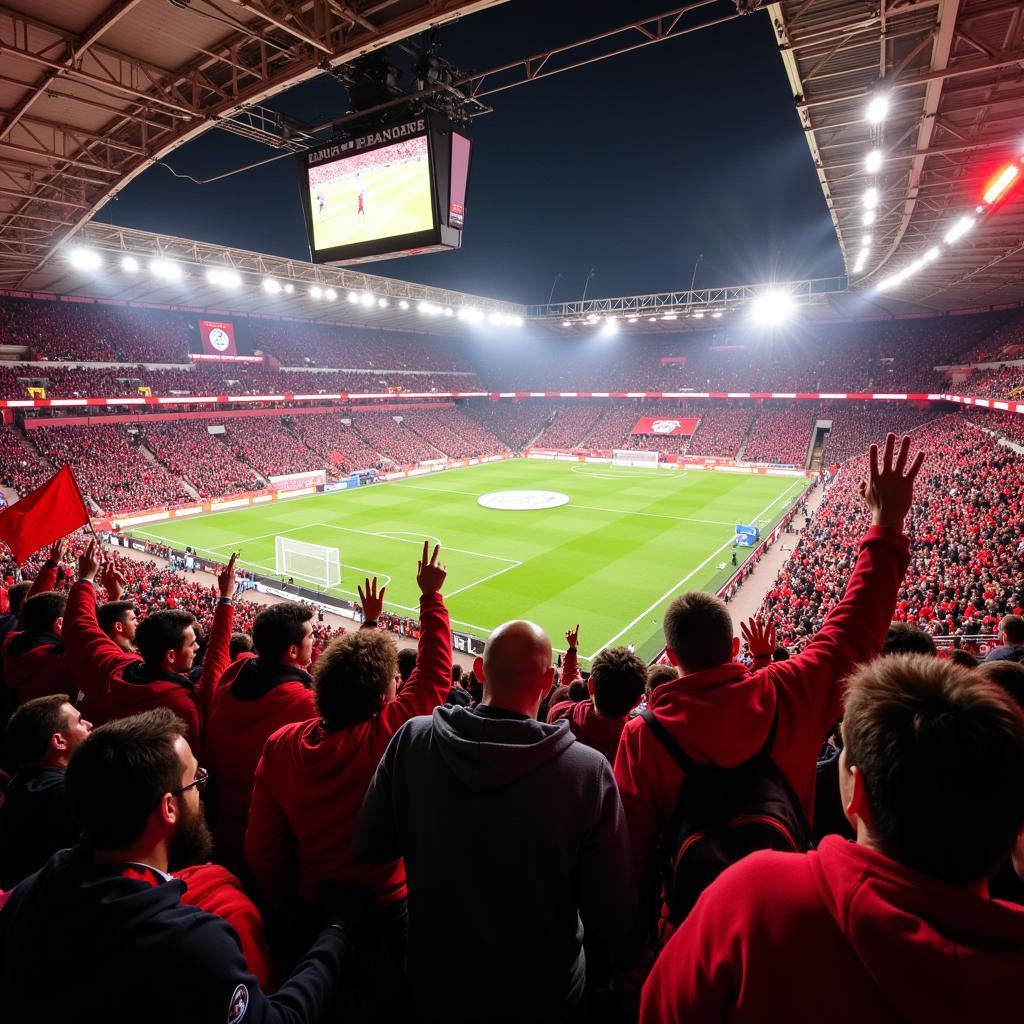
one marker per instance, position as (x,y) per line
(967,536)
(782,435)
(721,431)
(854,424)
(111,468)
(192,453)
(20,464)
(393,439)
(276,828)
(332,438)
(453,432)
(570,427)
(269,447)
(516,423)
(1002,382)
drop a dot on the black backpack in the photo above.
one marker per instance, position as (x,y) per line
(721,815)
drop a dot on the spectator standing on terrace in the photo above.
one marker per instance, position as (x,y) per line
(312,777)
(127,946)
(255,697)
(122,683)
(541,816)
(1011,641)
(34,818)
(720,714)
(899,925)
(616,684)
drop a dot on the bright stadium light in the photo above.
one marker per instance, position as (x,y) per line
(959,229)
(632,319)
(166,270)
(652,319)
(699,315)
(353,297)
(85,259)
(873,161)
(330,294)
(367,299)
(868,218)
(932,254)
(289,288)
(670,316)
(517,321)
(865,241)
(130,263)
(609,328)
(222,276)
(316,291)
(403,304)
(383,303)
(773,307)
(494,318)
(566,323)
(1006,177)
(270,286)
(870,198)
(448,311)
(716,315)
(878,109)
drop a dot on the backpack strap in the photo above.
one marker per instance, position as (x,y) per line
(684,760)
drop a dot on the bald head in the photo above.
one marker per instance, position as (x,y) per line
(517,662)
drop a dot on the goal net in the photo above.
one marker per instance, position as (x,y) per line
(312,563)
(628,458)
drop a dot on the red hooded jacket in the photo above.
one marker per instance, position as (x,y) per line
(311,781)
(36,665)
(842,934)
(722,716)
(119,682)
(589,726)
(249,706)
(214,889)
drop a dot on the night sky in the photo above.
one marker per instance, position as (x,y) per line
(632,166)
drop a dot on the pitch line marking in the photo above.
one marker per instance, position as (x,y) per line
(668,593)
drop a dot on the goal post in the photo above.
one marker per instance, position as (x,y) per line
(621,457)
(312,563)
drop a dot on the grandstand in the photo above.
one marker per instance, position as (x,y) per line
(463,469)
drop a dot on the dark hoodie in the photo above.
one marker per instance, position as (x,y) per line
(540,817)
(252,702)
(84,942)
(843,933)
(35,822)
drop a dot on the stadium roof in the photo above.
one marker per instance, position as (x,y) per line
(950,71)
(92,92)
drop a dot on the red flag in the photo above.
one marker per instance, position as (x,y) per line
(50,512)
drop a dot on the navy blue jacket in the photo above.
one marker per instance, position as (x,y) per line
(35,822)
(81,942)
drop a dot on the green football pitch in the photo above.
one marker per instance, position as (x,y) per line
(627,542)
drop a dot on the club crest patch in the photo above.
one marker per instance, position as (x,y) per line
(238,1005)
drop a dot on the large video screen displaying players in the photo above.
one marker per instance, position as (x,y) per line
(369,196)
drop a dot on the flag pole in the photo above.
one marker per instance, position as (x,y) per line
(88,515)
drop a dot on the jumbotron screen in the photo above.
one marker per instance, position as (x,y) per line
(365,197)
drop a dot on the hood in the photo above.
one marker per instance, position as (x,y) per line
(88,901)
(45,643)
(486,753)
(33,782)
(936,951)
(723,713)
(254,680)
(140,675)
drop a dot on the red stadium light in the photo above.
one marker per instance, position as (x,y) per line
(998,186)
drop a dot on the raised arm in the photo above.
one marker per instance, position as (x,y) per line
(218,650)
(571,661)
(47,576)
(760,638)
(855,629)
(432,677)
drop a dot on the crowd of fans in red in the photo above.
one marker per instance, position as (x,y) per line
(275,826)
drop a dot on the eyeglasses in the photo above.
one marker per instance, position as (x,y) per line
(199,782)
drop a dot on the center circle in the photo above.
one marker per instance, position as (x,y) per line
(522,501)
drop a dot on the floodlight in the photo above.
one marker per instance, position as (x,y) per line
(632,319)
(566,323)
(932,253)
(959,229)
(289,288)
(316,291)
(85,259)
(448,311)
(383,303)
(773,307)
(878,109)
(866,241)
(516,321)
(698,315)
(716,315)
(871,198)
(129,263)
(330,294)
(670,316)
(873,161)
(403,304)
(609,328)
(353,297)
(367,299)
(166,270)
(868,218)
(271,286)
(1006,177)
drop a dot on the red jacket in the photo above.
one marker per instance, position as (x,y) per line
(249,706)
(119,682)
(310,783)
(214,889)
(722,716)
(36,665)
(590,727)
(841,934)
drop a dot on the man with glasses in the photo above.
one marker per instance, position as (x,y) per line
(127,946)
